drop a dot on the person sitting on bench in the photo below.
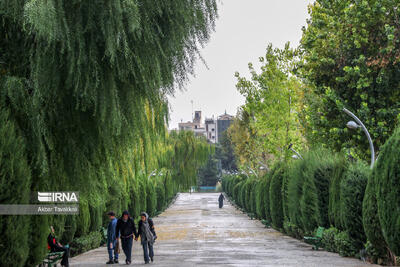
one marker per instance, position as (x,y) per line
(55,246)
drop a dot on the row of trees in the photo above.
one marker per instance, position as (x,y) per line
(83,107)
(348,57)
(357,206)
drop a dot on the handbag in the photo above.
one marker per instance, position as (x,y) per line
(117,248)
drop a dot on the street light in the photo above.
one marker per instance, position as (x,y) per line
(251,171)
(243,172)
(153,173)
(358,124)
(297,153)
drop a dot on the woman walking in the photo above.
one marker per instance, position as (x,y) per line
(147,236)
(221,200)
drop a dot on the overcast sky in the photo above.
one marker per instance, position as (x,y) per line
(243,31)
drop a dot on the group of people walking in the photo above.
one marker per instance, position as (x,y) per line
(123,231)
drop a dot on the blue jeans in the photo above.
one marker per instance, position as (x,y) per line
(127,247)
(110,250)
(148,251)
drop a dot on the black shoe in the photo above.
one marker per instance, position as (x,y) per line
(128,262)
(116,261)
(151,259)
(110,262)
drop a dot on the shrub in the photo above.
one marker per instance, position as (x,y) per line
(387,179)
(352,188)
(85,243)
(344,244)
(328,239)
(293,230)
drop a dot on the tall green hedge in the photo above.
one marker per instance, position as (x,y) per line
(387,180)
(370,217)
(260,195)
(267,199)
(352,189)
(275,189)
(295,191)
(334,211)
(358,207)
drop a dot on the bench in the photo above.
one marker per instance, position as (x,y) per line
(316,239)
(52,259)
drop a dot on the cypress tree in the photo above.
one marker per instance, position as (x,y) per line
(352,188)
(275,195)
(387,179)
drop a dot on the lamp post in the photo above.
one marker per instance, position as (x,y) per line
(243,172)
(153,173)
(297,153)
(358,124)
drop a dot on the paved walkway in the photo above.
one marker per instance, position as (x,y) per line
(194,231)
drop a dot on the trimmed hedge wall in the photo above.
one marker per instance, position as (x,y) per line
(324,189)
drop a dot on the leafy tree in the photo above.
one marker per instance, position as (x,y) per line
(208,174)
(273,100)
(225,153)
(245,141)
(351,59)
(86,83)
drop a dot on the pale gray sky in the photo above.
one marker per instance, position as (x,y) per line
(243,31)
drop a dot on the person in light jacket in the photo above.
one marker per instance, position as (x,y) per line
(147,236)
(112,238)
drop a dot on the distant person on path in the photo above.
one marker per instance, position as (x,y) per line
(221,200)
(112,239)
(55,246)
(126,229)
(147,236)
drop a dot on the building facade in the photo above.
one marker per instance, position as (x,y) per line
(212,128)
(223,122)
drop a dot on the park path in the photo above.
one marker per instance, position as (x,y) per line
(194,231)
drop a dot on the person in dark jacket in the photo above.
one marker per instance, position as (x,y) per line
(221,200)
(147,236)
(126,229)
(55,246)
(112,238)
